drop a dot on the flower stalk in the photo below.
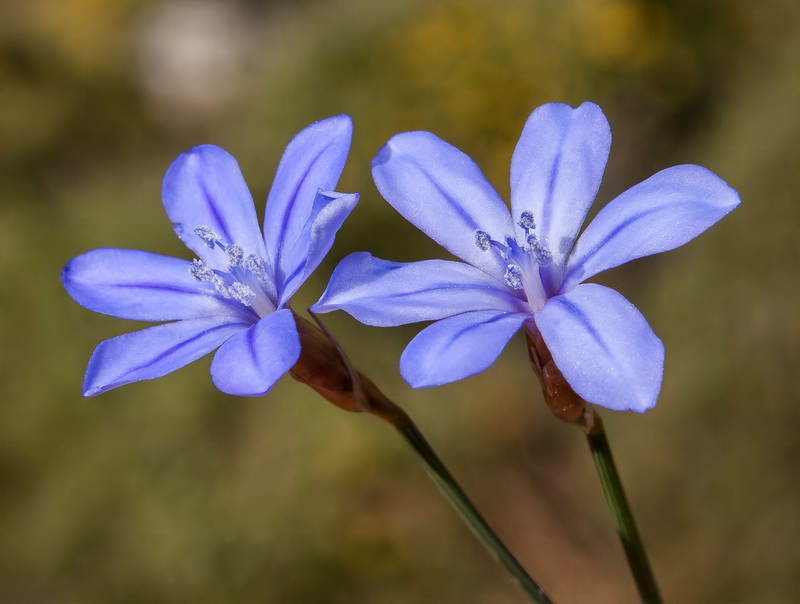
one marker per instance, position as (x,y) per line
(324,367)
(623,515)
(572,409)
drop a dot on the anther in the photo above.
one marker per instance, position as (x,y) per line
(543,256)
(513,277)
(209,237)
(482,240)
(200,271)
(257,266)
(235,255)
(526,221)
(241,292)
(540,253)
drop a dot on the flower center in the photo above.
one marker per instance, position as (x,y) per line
(522,260)
(246,279)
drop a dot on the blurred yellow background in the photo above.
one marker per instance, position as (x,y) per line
(169,491)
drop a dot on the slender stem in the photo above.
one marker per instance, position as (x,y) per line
(324,366)
(448,485)
(623,516)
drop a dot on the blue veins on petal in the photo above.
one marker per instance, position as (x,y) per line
(458,347)
(604,347)
(532,255)
(231,296)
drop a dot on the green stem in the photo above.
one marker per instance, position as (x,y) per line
(324,366)
(448,485)
(623,516)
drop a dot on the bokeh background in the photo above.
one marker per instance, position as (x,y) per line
(169,491)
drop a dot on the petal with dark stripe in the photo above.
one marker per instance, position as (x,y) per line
(132,284)
(252,361)
(604,347)
(661,213)
(329,212)
(154,352)
(313,161)
(384,293)
(442,192)
(204,187)
(556,170)
(458,347)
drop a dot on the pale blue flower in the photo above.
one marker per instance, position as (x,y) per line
(234,295)
(527,268)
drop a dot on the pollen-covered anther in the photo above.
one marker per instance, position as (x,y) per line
(241,292)
(235,255)
(483,241)
(513,277)
(200,271)
(526,221)
(257,266)
(209,237)
(541,254)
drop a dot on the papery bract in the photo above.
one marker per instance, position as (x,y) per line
(527,267)
(234,295)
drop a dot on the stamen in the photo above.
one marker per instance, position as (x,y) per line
(241,292)
(235,255)
(526,221)
(483,241)
(543,256)
(513,277)
(257,266)
(540,253)
(209,237)
(200,271)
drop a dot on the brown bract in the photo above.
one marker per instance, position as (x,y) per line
(559,396)
(324,367)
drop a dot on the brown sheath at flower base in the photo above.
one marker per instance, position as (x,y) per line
(324,367)
(559,396)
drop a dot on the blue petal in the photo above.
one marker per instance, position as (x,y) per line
(441,191)
(313,160)
(131,284)
(204,187)
(329,212)
(556,171)
(661,213)
(458,347)
(250,363)
(155,351)
(383,293)
(604,347)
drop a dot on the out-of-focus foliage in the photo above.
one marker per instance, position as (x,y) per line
(169,491)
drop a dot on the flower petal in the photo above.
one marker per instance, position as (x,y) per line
(329,212)
(154,352)
(132,284)
(661,213)
(441,191)
(313,160)
(604,347)
(556,171)
(383,293)
(205,187)
(458,347)
(250,363)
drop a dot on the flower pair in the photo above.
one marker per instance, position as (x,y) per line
(521,269)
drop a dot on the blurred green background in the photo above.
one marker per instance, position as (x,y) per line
(169,491)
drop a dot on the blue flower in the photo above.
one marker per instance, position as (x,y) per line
(235,294)
(526,268)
